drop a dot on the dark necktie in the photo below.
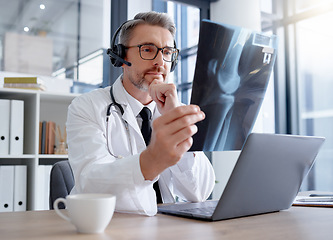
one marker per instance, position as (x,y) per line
(146,133)
(146,124)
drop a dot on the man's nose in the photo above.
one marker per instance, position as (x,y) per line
(159,58)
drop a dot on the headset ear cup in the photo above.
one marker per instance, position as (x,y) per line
(113,56)
(119,51)
(110,53)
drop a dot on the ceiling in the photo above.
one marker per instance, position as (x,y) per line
(16,14)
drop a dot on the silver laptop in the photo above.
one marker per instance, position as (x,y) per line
(266,178)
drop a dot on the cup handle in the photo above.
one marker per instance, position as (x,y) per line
(55,206)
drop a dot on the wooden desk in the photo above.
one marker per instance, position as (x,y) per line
(295,223)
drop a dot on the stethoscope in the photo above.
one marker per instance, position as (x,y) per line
(116,105)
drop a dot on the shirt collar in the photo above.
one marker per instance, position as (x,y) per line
(136,106)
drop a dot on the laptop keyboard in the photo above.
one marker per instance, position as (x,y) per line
(206,211)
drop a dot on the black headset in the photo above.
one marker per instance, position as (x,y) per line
(117,52)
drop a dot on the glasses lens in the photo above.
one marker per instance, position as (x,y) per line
(148,52)
(169,54)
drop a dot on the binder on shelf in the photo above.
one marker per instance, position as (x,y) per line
(43,187)
(4,126)
(16,127)
(6,188)
(47,172)
(20,188)
(40,188)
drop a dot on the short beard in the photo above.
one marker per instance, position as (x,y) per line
(140,84)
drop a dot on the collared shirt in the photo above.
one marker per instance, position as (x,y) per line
(136,107)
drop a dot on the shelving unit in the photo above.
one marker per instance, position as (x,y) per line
(38,106)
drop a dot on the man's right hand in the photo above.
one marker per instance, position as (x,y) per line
(171,138)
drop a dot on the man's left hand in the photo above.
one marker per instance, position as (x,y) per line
(164,94)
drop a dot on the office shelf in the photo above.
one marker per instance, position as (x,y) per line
(38,106)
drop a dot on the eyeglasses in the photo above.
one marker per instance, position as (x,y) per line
(150,51)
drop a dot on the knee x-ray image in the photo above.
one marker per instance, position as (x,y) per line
(232,71)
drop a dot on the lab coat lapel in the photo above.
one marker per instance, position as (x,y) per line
(131,119)
(128,116)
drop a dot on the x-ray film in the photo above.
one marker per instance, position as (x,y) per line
(232,71)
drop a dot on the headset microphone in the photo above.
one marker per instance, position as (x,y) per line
(116,60)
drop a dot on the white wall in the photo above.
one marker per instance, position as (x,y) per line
(244,13)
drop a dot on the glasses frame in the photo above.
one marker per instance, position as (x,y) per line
(158,49)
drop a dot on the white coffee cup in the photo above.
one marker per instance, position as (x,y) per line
(89,213)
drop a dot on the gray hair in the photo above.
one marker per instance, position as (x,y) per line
(150,18)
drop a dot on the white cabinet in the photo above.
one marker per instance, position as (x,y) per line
(38,106)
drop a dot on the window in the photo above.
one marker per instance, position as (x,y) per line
(314,48)
(187,21)
(304,78)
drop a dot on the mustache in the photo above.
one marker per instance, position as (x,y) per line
(156,69)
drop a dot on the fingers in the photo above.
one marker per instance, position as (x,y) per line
(183,111)
(178,125)
(164,94)
(178,134)
(171,138)
(184,138)
(185,145)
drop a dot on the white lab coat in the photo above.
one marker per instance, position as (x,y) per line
(95,170)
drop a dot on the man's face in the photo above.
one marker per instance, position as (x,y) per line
(142,72)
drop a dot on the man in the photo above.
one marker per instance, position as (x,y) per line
(111,156)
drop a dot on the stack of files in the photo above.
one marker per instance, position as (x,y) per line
(32,83)
(12,126)
(314,200)
(13,188)
(47,137)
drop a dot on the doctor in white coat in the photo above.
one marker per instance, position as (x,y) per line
(106,149)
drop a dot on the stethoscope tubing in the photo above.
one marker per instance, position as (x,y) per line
(108,114)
